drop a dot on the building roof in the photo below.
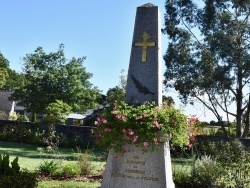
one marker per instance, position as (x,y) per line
(5,103)
(76,116)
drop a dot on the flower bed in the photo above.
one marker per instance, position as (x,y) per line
(140,125)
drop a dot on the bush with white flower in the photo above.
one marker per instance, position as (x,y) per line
(140,124)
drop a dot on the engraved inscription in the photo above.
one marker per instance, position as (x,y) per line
(134,170)
(135,162)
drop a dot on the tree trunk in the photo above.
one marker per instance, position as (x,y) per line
(34,117)
(246,130)
(239,102)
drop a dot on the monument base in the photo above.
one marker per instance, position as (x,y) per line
(140,169)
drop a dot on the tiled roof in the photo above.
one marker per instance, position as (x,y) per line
(5,103)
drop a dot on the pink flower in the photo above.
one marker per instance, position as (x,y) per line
(145,144)
(104,121)
(107,129)
(124,130)
(135,139)
(156,124)
(115,112)
(139,117)
(145,115)
(130,132)
(121,117)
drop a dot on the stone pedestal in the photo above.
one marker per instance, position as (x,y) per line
(139,169)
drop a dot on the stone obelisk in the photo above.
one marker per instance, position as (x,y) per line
(137,168)
(144,82)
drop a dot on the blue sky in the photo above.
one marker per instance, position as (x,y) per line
(100,30)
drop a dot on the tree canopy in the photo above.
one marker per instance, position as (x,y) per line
(4,65)
(51,77)
(208,55)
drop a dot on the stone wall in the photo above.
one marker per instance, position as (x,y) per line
(69,131)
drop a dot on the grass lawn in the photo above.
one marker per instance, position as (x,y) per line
(65,184)
(30,158)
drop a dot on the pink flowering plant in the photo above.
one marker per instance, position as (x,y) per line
(139,125)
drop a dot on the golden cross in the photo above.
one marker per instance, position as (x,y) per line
(144,44)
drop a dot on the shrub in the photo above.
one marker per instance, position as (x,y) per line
(140,125)
(182,176)
(84,163)
(12,177)
(5,169)
(24,179)
(206,172)
(22,118)
(230,151)
(47,167)
(70,170)
(226,151)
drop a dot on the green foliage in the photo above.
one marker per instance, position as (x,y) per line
(169,100)
(182,176)
(115,94)
(67,184)
(70,170)
(140,125)
(230,151)
(4,64)
(5,168)
(233,157)
(53,77)
(22,133)
(226,152)
(12,177)
(22,117)
(47,167)
(36,134)
(24,179)
(207,56)
(14,81)
(57,112)
(84,163)
(206,171)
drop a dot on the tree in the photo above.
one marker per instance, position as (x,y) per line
(78,91)
(123,80)
(14,80)
(57,112)
(115,94)
(4,65)
(51,77)
(208,56)
(169,100)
